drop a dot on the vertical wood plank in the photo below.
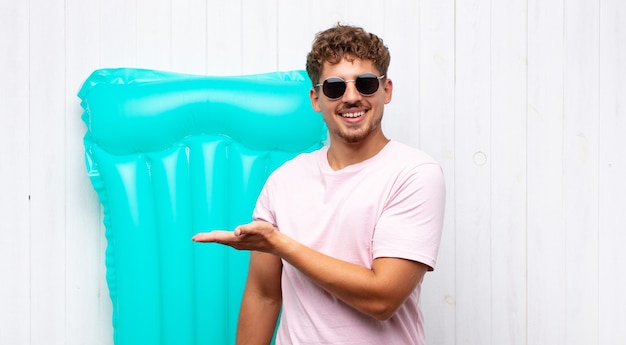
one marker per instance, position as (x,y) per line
(581,106)
(472,171)
(296,29)
(401,121)
(14,174)
(259,36)
(546,233)
(435,92)
(189,36)
(300,21)
(326,13)
(370,17)
(118,31)
(48,179)
(508,171)
(154,34)
(224,37)
(612,169)
(83,306)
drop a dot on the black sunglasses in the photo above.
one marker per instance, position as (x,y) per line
(334,87)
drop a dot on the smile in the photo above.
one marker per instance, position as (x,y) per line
(353,115)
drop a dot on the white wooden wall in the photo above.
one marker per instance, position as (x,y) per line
(522,101)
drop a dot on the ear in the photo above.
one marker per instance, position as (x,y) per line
(388,88)
(315,99)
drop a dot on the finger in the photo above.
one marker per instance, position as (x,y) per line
(202,237)
(250,228)
(213,236)
(239,231)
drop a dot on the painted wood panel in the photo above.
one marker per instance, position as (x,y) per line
(15,237)
(189,36)
(48,241)
(224,35)
(545,228)
(402,30)
(522,101)
(508,181)
(153,23)
(435,134)
(472,162)
(85,319)
(118,33)
(580,170)
(259,36)
(294,34)
(612,169)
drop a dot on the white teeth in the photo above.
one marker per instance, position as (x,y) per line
(352,115)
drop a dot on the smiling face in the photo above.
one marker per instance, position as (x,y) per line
(352,118)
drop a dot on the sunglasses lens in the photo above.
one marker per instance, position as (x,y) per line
(366,84)
(334,87)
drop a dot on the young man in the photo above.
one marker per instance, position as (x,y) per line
(342,237)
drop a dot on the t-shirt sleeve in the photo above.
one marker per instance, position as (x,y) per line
(262,210)
(411,223)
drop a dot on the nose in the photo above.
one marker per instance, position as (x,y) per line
(351,94)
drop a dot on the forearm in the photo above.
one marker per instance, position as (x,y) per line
(262,300)
(350,283)
(257,320)
(376,291)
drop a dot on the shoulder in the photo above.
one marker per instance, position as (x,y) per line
(408,158)
(303,160)
(302,164)
(411,170)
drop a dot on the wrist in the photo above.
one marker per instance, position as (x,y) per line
(284,246)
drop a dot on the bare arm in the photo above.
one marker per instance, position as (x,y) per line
(377,292)
(262,300)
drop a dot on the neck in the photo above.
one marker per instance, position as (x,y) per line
(343,154)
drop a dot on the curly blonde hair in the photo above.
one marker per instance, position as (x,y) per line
(345,41)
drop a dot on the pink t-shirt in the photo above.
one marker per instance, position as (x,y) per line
(390,205)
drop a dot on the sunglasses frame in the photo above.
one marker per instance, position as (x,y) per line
(345,83)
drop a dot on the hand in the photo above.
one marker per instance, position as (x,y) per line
(258,236)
